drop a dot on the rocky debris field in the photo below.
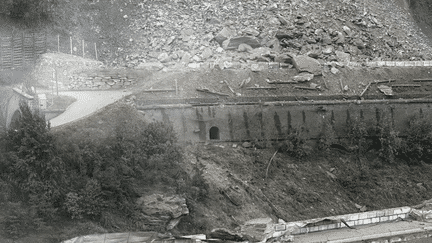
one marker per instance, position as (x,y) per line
(178,33)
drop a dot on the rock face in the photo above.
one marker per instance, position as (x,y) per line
(307,64)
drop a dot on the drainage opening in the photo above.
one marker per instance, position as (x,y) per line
(214,133)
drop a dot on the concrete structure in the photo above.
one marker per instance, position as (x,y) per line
(197,121)
(10,109)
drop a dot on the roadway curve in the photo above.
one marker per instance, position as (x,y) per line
(87,103)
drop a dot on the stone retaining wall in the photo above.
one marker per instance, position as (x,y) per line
(334,222)
(115,81)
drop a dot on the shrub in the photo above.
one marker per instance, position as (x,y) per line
(389,142)
(357,132)
(418,144)
(20,221)
(296,144)
(327,137)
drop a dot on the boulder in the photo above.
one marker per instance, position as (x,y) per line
(160,205)
(224,34)
(334,70)
(328,50)
(235,42)
(251,31)
(207,53)
(257,67)
(225,234)
(164,58)
(244,48)
(307,64)
(303,77)
(257,230)
(283,58)
(343,56)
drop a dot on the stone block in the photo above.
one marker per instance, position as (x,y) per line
(359,222)
(380,213)
(399,64)
(393,217)
(409,64)
(353,217)
(390,64)
(402,216)
(371,64)
(384,218)
(375,220)
(332,226)
(297,231)
(418,63)
(397,211)
(380,64)
(428,63)
(372,214)
(304,230)
(322,227)
(273,65)
(363,216)
(367,221)
(406,209)
(313,229)
(280,227)
(285,65)
(388,212)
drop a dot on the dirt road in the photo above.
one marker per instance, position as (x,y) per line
(87,103)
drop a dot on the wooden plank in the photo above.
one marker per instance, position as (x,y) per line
(281,82)
(406,85)
(258,88)
(367,87)
(304,87)
(384,81)
(205,90)
(423,80)
(159,90)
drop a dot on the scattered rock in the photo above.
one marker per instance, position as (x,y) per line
(334,70)
(233,43)
(283,58)
(257,230)
(328,50)
(247,144)
(158,204)
(252,32)
(225,234)
(164,58)
(307,64)
(223,35)
(303,77)
(207,53)
(343,56)
(244,48)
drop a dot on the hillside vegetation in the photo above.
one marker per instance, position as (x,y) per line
(74,181)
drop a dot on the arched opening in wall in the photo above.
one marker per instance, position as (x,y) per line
(214,133)
(15,117)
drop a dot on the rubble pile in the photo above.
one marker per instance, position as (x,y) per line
(181,33)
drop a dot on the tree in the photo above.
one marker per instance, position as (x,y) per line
(34,167)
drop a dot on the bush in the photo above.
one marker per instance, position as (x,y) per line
(20,221)
(357,132)
(418,144)
(327,137)
(295,143)
(389,142)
